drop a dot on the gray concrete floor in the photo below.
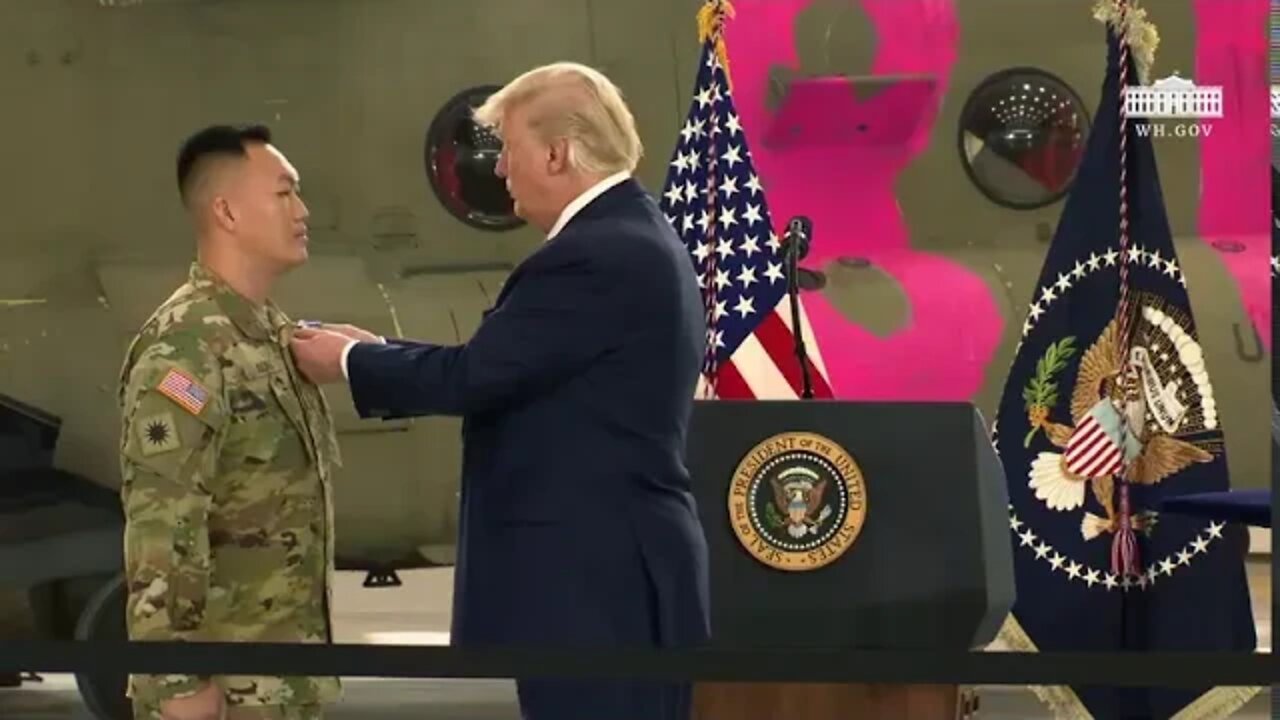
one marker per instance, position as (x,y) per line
(367,699)
(418,613)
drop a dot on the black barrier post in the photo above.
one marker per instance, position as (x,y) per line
(404,661)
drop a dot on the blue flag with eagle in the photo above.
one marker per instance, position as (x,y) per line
(1108,408)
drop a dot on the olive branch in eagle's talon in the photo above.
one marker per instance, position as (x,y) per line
(1041,393)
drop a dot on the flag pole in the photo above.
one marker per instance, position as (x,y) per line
(1131,36)
(711,17)
(1124,546)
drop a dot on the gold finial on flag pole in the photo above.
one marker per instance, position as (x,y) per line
(1133,29)
(711,17)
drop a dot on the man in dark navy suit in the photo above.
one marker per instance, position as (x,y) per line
(578,523)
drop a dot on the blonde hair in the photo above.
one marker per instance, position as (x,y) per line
(577,103)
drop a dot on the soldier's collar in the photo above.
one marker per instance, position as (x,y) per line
(250,319)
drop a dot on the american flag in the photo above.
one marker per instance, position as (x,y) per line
(183,389)
(714,200)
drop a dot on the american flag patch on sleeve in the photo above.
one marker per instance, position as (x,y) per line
(183,389)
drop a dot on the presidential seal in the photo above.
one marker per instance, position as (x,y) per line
(1111,414)
(797,501)
(1145,412)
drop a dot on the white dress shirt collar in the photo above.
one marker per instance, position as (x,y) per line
(584,199)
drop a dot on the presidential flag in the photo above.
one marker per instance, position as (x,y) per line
(1108,408)
(716,203)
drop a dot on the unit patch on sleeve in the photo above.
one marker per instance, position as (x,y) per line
(157,434)
(183,389)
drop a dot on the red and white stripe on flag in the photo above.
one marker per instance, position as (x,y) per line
(1091,452)
(765,367)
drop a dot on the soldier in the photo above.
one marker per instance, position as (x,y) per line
(226,450)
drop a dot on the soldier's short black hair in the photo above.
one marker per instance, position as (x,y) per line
(215,140)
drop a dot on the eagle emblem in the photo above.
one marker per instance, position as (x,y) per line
(1131,412)
(797,501)
(798,493)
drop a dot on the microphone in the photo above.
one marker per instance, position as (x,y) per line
(795,245)
(796,238)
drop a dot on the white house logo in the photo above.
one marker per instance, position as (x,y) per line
(1175,97)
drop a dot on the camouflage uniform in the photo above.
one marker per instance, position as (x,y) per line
(227,455)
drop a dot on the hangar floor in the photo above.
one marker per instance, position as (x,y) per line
(418,612)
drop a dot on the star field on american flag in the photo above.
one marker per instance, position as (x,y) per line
(714,200)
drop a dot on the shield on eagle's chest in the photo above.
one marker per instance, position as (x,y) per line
(1095,448)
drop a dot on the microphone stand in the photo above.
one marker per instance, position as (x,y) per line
(797,246)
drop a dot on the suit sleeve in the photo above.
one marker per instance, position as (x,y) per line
(172,417)
(556,321)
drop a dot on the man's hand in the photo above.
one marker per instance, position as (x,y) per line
(207,704)
(352,332)
(318,353)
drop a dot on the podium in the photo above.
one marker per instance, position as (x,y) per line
(847,525)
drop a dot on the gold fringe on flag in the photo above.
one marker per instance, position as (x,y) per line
(711,18)
(1132,26)
(1064,704)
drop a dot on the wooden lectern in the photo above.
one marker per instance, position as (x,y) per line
(836,524)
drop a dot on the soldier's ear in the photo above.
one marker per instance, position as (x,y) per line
(223,214)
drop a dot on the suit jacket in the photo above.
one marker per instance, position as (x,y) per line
(578,524)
